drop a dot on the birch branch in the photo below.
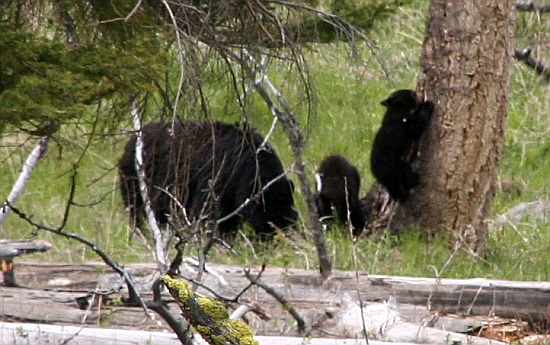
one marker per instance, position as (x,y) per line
(140,170)
(36,154)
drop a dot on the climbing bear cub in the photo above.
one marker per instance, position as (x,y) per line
(405,121)
(336,179)
(211,169)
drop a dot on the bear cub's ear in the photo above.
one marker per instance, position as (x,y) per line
(403,99)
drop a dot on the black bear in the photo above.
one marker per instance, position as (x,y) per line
(338,183)
(404,122)
(210,168)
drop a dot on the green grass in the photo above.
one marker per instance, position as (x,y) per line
(348,112)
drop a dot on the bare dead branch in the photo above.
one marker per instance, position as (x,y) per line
(269,134)
(213,292)
(283,301)
(134,296)
(36,154)
(296,139)
(179,205)
(159,307)
(140,170)
(132,290)
(253,198)
(211,210)
(181,56)
(133,11)
(350,32)
(202,258)
(70,201)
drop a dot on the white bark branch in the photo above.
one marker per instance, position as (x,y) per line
(140,170)
(35,155)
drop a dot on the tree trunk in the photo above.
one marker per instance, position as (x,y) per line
(465,68)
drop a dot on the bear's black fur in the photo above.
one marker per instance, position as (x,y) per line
(338,178)
(404,122)
(198,161)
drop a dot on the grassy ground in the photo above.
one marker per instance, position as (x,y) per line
(348,113)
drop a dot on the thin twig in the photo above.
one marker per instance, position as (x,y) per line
(181,55)
(283,301)
(178,204)
(133,11)
(297,142)
(132,290)
(344,26)
(253,198)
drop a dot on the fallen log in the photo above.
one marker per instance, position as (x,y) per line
(333,308)
(26,333)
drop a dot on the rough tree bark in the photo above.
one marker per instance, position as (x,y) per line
(465,68)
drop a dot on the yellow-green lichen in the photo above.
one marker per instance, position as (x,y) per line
(206,333)
(181,287)
(232,331)
(115,300)
(215,309)
(241,332)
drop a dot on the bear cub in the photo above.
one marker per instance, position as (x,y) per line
(405,120)
(337,179)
